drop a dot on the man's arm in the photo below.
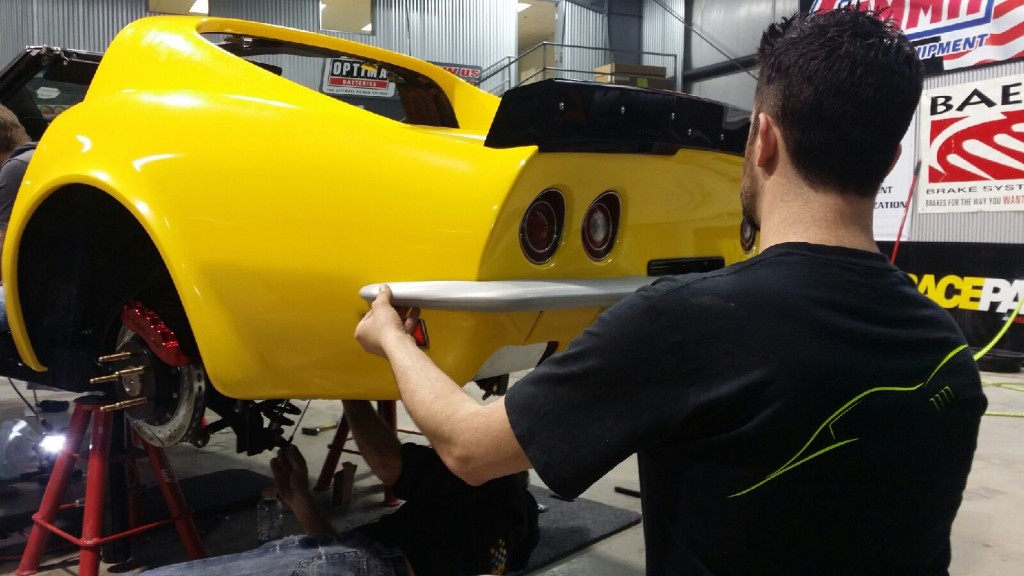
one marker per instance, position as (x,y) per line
(475,441)
(377,442)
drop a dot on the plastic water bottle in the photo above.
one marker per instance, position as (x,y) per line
(269,517)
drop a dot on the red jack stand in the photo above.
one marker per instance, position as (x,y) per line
(388,410)
(96,481)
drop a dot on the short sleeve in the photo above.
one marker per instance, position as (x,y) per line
(11,174)
(612,392)
(424,476)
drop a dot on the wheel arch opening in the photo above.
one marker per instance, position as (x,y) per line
(82,255)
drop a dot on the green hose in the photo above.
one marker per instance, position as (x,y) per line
(985,350)
(1006,327)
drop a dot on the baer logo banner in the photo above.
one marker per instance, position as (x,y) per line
(951,34)
(972,140)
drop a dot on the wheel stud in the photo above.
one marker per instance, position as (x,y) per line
(132,371)
(124,404)
(116,357)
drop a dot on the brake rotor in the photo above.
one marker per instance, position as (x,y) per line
(176,395)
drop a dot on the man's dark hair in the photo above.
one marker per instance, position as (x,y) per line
(843,86)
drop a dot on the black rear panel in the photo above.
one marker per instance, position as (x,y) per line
(571,116)
(675,266)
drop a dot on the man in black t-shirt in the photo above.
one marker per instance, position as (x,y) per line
(807,411)
(445,527)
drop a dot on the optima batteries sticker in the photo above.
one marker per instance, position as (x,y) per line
(347,77)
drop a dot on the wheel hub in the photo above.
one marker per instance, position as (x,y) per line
(176,395)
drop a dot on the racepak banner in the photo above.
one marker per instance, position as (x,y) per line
(972,147)
(950,34)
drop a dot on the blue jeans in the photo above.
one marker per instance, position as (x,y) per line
(350,554)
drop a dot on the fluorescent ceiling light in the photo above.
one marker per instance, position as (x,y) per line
(200,7)
(520,6)
(367,28)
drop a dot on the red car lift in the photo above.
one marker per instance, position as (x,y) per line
(103,421)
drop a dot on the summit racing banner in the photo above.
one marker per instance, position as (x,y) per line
(972,147)
(348,77)
(950,34)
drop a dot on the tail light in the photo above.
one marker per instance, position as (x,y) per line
(601,225)
(541,228)
(419,334)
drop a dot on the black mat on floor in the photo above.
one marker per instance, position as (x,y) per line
(212,493)
(568,527)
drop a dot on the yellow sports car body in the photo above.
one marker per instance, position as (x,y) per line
(201,217)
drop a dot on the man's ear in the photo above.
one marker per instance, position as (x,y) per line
(767,145)
(895,158)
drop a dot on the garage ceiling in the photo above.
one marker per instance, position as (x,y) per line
(536,23)
(179,6)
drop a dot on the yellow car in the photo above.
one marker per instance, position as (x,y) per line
(203,218)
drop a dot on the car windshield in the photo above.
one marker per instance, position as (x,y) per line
(60,82)
(51,97)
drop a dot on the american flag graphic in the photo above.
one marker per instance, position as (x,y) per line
(951,34)
(1005,39)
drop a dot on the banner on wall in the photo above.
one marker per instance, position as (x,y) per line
(972,140)
(978,283)
(950,34)
(891,201)
(468,73)
(348,77)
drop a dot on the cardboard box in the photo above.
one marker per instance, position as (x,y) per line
(639,81)
(631,70)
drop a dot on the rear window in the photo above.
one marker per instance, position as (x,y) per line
(379,87)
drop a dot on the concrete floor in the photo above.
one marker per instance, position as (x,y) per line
(988,536)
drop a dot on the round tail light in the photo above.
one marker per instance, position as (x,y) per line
(601,225)
(541,228)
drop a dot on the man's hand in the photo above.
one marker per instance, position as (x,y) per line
(384,323)
(291,477)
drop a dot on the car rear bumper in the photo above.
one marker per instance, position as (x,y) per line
(510,295)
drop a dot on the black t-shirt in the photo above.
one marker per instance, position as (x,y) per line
(11,173)
(449,528)
(805,412)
